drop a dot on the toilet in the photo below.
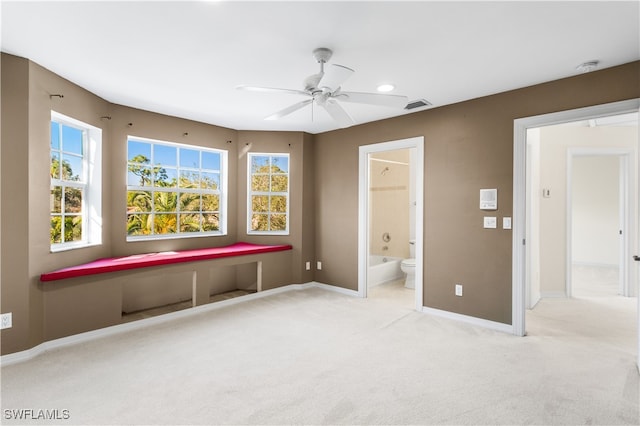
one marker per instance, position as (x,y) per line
(408,266)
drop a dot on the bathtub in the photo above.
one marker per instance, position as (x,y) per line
(383,269)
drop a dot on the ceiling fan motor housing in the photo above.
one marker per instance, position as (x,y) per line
(322,54)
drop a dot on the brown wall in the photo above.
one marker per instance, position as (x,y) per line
(134,122)
(39,309)
(18,293)
(299,147)
(468,146)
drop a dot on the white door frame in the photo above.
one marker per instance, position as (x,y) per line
(623,208)
(520,127)
(363,210)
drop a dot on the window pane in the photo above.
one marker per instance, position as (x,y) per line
(55,165)
(278,222)
(138,201)
(269,174)
(210,222)
(139,224)
(165,201)
(72,197)
(72,200)
(189,158)
(210,180)
(189,179)
(278,204)
(71,167)
(260,183)
(189,202)
(260,203)
(279,164)
(190,222)
(210,160)
(259,222)
(138,152)
(72,140)
(165,155)
(55,200)
(55,135)
(194,207)
(138,175)
(279,183)
(160,177)
(259,164)
(165,223)
(72,228)
(166,178)
(55,230)
(210,203)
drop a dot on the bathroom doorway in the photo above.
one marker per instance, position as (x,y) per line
(390,225)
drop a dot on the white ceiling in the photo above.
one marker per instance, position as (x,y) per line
(185,59)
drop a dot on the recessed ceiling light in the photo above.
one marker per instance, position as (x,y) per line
(386,87)
(587,66)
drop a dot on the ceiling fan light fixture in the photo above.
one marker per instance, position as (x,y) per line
(386,87)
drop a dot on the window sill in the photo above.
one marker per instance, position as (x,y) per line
(173,236)
(267,232)
(72,246)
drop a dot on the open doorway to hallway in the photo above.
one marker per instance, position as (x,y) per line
(543,271)
(582,206)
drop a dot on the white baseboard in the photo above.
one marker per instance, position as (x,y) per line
(492,325)
(553,295)
(146,322)
(335,289)
(595,264)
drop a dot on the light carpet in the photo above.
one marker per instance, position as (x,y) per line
(314,356)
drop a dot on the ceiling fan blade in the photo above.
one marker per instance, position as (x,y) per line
(393,101)
(272,90)
(334,76)
(288,110)
(338,113)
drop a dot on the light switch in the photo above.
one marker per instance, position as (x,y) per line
(506,223)
(490,222)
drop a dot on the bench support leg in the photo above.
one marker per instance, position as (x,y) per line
(259,275)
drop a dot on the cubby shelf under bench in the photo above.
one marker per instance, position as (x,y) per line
(96,294)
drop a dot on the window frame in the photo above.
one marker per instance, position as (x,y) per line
(90,183)
(269,193)
(221,192)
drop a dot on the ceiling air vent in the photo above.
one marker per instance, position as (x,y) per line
(417,104)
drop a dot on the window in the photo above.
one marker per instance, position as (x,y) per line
(174,190)
(75,170)
(268,204)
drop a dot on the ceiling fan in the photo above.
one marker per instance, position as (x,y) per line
(324,89)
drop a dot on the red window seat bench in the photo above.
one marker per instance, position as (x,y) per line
(135,261)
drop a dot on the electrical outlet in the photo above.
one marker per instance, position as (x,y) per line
(458,289)
(308,266)
(6,321)
(319,265)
